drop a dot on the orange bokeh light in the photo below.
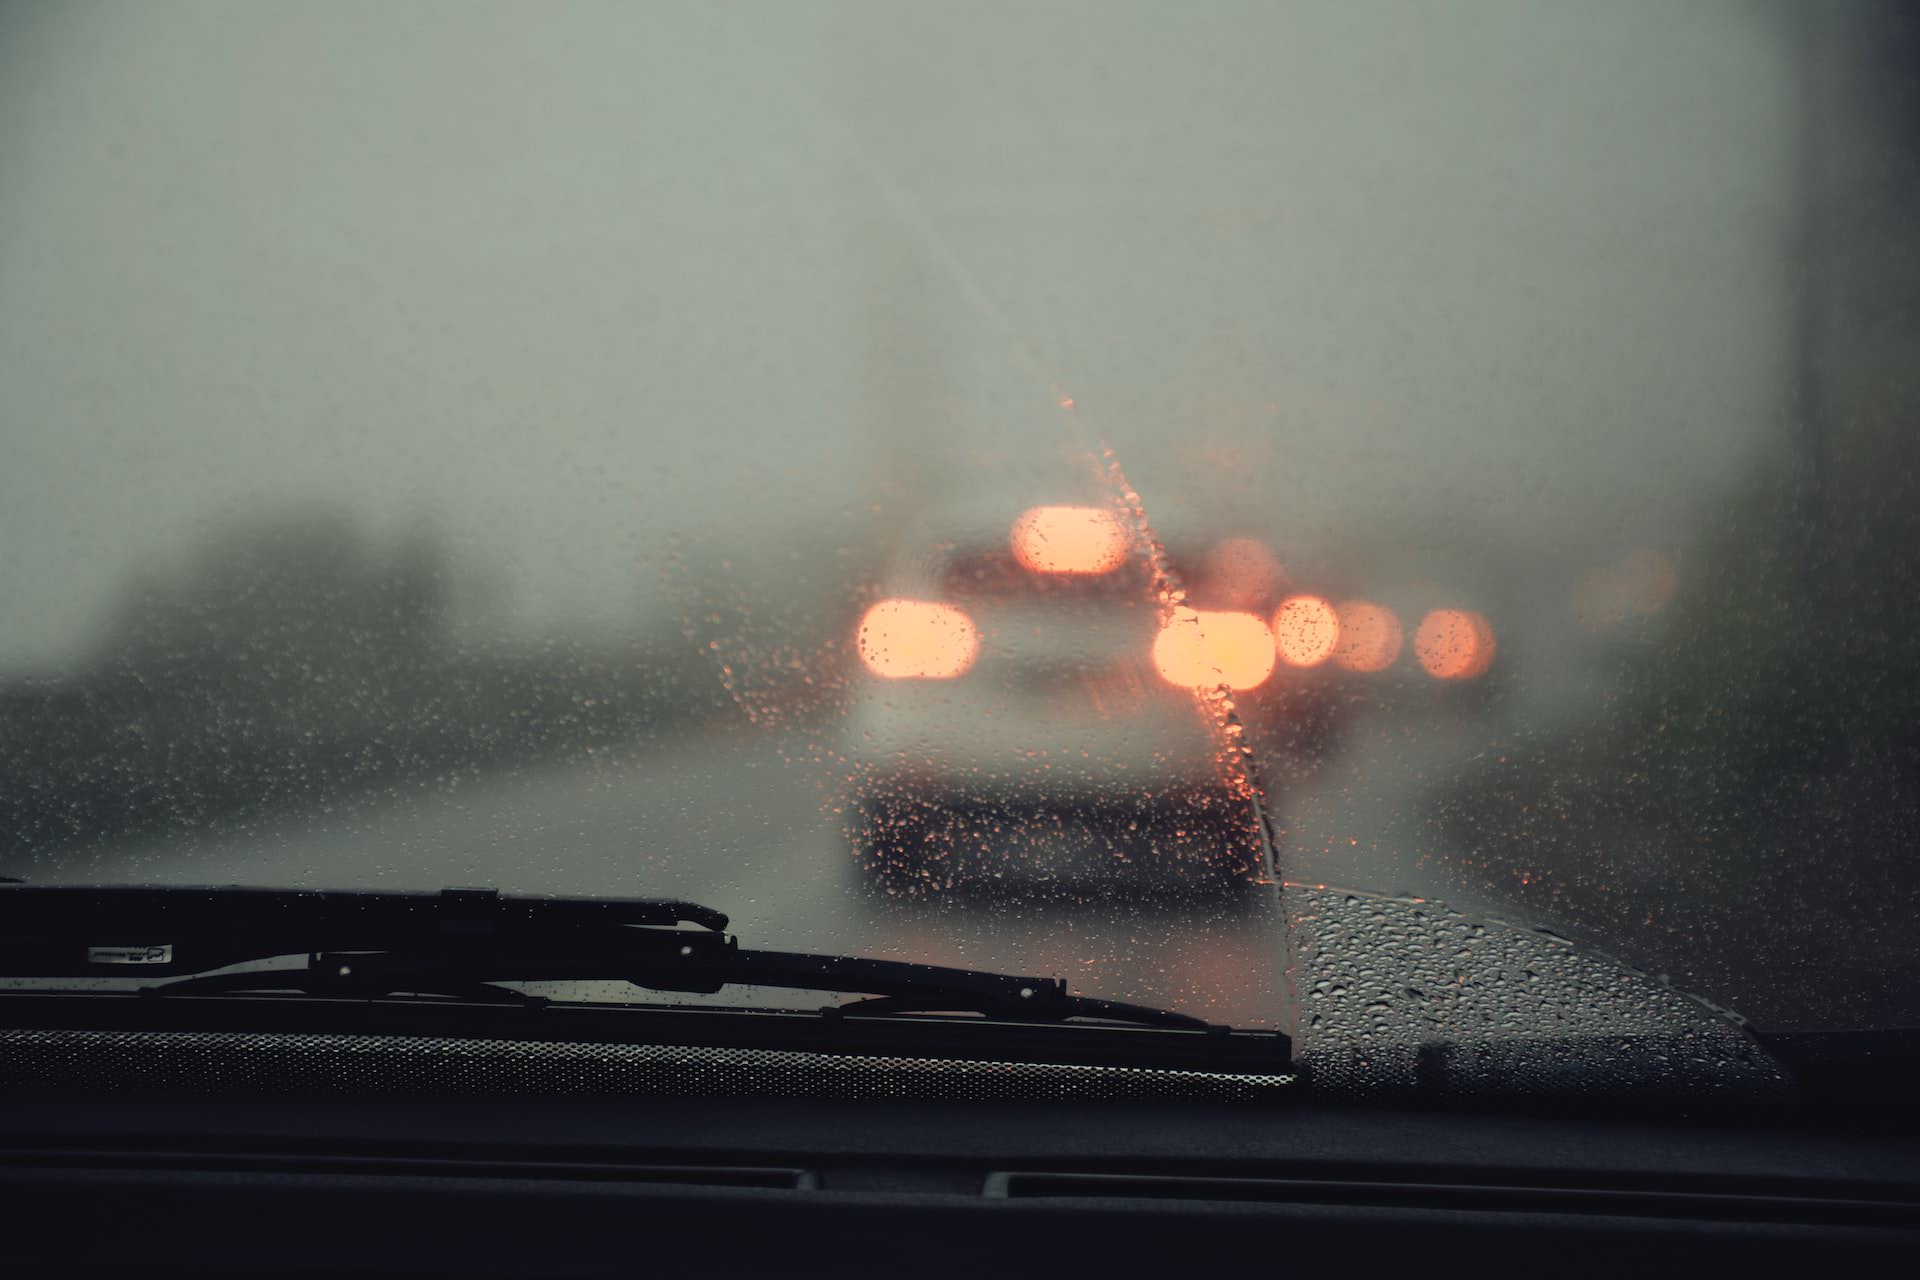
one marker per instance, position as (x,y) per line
(1642,582)
(1601,599)
(1243,573)
(917,640)
(1649,580)
(1306,630)
(1200,649)
(1070,540)
(1454,644)
(1370,636)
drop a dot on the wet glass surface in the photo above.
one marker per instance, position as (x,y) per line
(1001,485)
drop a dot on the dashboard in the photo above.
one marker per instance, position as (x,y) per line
(197,1158)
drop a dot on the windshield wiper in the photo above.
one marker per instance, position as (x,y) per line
(462,942)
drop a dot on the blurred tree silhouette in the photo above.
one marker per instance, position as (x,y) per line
(1741,810)
(294,625)
(292,662)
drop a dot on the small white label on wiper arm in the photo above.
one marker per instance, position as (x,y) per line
(162,954)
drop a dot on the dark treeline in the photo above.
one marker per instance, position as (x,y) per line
(292,663)
(1743,808)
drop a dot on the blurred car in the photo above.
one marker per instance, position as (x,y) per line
(1037,705)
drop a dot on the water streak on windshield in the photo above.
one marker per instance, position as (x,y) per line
(1239,766)
(996,484)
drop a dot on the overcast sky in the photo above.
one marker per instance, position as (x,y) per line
(568,280)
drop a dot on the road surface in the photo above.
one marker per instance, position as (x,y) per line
(734,821)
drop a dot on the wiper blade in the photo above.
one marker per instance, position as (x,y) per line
(461,942)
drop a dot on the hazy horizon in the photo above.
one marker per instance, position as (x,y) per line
(565,284)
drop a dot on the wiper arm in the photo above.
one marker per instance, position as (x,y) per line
(461,941)
(129,931)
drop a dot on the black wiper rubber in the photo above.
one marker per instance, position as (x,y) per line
(1078,1007)
(34,910)
(308,982)
(457,941)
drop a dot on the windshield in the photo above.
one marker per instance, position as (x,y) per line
(1002,485)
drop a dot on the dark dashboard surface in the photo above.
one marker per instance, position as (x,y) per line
(263,1135)
(130,1181)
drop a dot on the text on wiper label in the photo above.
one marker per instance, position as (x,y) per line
(161,954)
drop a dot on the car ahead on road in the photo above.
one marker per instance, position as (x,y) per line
(1051,695)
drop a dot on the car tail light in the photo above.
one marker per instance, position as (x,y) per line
(1601,599)
(1370,636)
(1650,580)
(1070,540)
(1198,649)
(1306,630)
(1454,644)
(917,640)
(1243,573)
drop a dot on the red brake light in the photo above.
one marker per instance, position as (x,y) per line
(1370,636)
(1242,573)
(1306,629)
(1070,540)
(1203,650)
(1454,644)
(917,640)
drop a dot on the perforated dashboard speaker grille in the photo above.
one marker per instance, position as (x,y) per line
(279,1063)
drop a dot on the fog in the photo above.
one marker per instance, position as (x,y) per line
(455,443)
(562,283)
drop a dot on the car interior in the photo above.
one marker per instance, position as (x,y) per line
(962,638)
(311,1122)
